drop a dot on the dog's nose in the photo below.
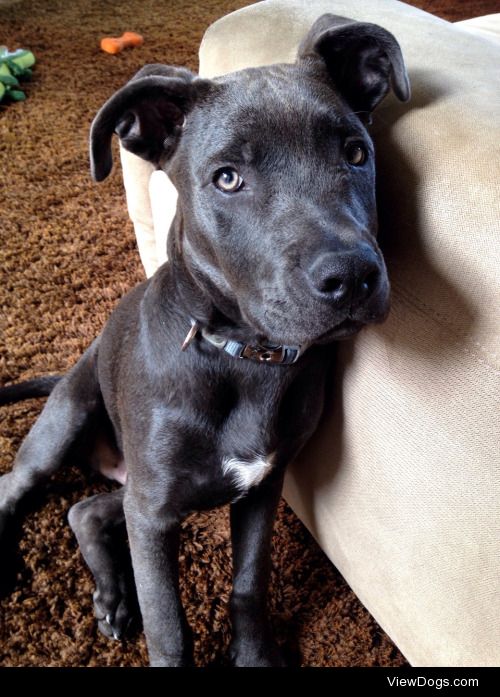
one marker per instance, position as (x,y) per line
(345,278)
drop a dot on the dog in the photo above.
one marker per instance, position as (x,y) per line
(209,377)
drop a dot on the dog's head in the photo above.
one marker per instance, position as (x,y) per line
(276,178)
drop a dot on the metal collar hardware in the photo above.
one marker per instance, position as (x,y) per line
(280,355)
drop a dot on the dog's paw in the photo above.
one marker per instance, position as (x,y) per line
(171,661)
(115,612)
(257,655)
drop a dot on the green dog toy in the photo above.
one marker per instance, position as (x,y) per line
(14,66)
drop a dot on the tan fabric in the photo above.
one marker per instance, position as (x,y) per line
(163,198)
(488,27)
(136,176)
(401,484)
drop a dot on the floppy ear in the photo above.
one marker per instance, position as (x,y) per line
(147,114)
(363,60)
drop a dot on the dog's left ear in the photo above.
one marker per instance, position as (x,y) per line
(363,60)
(147,114)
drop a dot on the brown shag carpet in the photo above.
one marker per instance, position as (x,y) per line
(67,254)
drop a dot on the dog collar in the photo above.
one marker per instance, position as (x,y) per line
(262,353)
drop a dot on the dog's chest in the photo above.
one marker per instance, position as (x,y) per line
(221,429)
(246,473)
(238,444)
(246,450)
(225,476)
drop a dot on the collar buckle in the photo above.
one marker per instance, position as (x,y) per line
(284,355)
(263,354)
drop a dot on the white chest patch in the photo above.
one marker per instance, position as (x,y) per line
(247,473)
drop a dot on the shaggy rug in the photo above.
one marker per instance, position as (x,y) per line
(67,255)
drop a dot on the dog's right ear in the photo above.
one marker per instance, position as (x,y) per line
(363,60)
(147,114)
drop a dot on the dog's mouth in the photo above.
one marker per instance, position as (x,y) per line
(348,327)
(313,328)
(345,329)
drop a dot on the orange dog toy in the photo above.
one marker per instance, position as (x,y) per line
(128,39)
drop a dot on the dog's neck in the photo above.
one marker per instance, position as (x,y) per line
(212,316)
(201,301)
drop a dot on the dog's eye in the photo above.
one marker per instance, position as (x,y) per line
(228,180)
(355,153)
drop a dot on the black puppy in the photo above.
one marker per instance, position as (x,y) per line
(272,256)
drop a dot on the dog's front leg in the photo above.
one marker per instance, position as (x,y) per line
(252,519)
(154,546)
